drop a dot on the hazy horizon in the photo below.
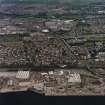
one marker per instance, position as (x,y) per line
(45,1)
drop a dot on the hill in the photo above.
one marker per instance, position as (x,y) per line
(51,1)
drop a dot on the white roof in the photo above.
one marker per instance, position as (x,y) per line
(74,78)
(100,11)
(44,73)
(51,72)
(68,21)
(63,66)
(61,72)
(23,74)
(45,30)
